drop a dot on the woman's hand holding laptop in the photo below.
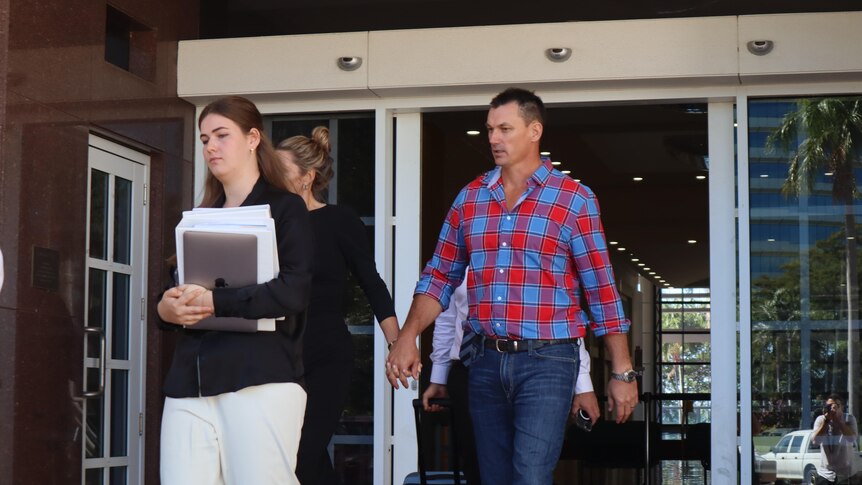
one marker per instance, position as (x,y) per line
(186,305)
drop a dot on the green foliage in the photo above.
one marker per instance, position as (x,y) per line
(833,133)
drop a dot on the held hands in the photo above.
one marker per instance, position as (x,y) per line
(403,361)
(186,305)
(624,397)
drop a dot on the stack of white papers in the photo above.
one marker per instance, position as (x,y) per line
(251,220)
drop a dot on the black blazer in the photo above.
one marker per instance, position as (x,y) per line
(207,363)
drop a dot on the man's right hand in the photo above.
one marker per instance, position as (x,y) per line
(434,391)
(403,360)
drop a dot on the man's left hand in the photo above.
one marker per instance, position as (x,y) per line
(624,397)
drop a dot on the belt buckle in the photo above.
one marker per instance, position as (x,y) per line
(497,344)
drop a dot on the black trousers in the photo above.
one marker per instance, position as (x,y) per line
(457,387)
(328,385)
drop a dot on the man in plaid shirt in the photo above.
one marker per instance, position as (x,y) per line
(534,241)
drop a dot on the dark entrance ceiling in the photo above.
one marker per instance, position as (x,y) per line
(246,18)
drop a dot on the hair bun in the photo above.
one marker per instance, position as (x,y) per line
(320,135)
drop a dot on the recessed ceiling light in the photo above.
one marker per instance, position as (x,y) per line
(475,132)
(692,241)
(566,171)
(544,153)
(652,272)
(578,180)
(700,177)
(772,239)
(636,179)
(641,264)
(647,269)
(828,174)
(850,238)
(613,243)
(668,285)
(556,163)
(635,260)
(763,175)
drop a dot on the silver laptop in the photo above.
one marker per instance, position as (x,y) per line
(220,260)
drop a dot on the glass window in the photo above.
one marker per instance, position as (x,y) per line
(352,139)
(796,444)
(803,173)
(99,214)
(685,353)
(783,444)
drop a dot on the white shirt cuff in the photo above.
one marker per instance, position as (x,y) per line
(440,372)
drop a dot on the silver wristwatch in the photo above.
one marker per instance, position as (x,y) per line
(628,376)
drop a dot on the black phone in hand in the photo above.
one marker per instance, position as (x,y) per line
(583,421)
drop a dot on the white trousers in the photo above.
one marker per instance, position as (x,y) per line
(238,438)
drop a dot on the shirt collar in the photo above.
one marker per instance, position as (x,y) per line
(539,177)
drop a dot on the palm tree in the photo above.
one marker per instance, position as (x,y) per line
(830,130)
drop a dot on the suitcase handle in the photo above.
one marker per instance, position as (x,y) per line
(418,409)
(440,401)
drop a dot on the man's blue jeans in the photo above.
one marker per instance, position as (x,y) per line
(519,403)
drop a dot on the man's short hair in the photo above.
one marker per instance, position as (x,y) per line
(530,107)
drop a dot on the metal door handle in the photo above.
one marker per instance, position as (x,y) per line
(102,357)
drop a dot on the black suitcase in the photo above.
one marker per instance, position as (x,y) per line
(424,477)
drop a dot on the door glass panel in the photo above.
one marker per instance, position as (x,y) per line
(804,173)
(122,220)
(119,412)
(94,444)
(120,322)
(96,309)
(118,475)
(99,214)
(356,165)
(352,186)
(94,476)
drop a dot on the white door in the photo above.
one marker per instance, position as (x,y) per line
(114,321)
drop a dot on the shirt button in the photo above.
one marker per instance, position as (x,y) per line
(499,298)
(508,218)
(504,245)
(498,324)
(501,271)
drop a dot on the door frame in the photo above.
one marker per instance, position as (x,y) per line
(135,166)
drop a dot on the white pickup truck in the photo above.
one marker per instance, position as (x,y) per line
(794,459)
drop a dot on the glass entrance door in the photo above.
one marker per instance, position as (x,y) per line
(114,329)
(351,448)
(804,167)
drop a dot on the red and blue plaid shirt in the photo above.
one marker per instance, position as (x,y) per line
(529,265)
